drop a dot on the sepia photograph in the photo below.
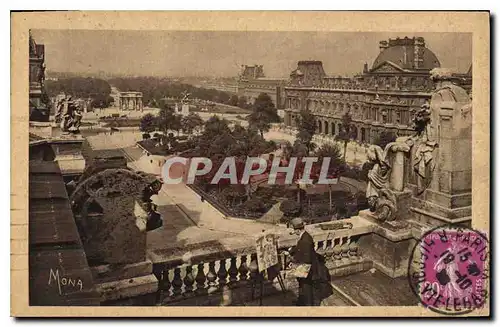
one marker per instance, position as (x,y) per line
(232,167)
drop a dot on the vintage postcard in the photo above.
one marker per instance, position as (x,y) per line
(245,163)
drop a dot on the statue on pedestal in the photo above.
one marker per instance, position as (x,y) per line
(68,115)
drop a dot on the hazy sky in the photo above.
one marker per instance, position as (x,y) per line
(173,53)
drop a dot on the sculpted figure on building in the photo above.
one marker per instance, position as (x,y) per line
(68,115)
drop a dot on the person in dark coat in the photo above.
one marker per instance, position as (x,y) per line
(303,253)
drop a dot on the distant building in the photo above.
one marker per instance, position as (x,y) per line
(379,99)
(252,82)
(130,101)
(39,102)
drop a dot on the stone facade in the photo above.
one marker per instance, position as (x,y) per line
(252,82)
(379,99)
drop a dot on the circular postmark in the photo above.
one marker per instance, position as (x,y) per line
(448,270)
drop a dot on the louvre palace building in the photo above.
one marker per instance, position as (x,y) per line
(379,99)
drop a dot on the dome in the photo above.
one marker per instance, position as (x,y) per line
(404,56)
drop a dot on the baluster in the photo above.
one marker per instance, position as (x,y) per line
(345,247)
(183,275)
(239,262)
(329,248)
(194,273)
(164,282)
(243,270)
(177,282)
(217,268)
(325,244)
(255,276)
(353,248)
(233,271)
(189,279)
(170,278)
(253,266)
(201,277)
(222,273)
(316,245)
(211,276)
(336,250)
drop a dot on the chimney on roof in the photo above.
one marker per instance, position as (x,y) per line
(365,68)
(418,46)
(383,45)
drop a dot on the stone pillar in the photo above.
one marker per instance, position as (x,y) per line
(397,173)
(448,196)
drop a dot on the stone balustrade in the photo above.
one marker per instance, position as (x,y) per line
(208,272)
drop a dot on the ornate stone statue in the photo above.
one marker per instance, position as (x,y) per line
(185,97)
(68,115)
(378,176)
(41,74)
(423,162)
(385,178)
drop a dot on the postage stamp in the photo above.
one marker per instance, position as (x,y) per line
(448,271)
(158,145)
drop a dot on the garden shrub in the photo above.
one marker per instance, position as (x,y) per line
(291,208)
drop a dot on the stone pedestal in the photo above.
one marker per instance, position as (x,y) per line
(388,249)
(185,110)
(448,196)
(115,282)
(68,154)
(41,129)
(389,245)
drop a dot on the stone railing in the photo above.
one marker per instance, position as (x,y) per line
(204,273)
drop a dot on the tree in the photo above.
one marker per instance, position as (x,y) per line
(290,209)
(191,122)
(307,128)
(264,113)
(287,150)
(242,102)
(347,131)
(215,126)
(177,124)
(166,119)
(385,138)
(234,194)
(333,152)
(96,89)
(233,101)
(255,204)
(148,123)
